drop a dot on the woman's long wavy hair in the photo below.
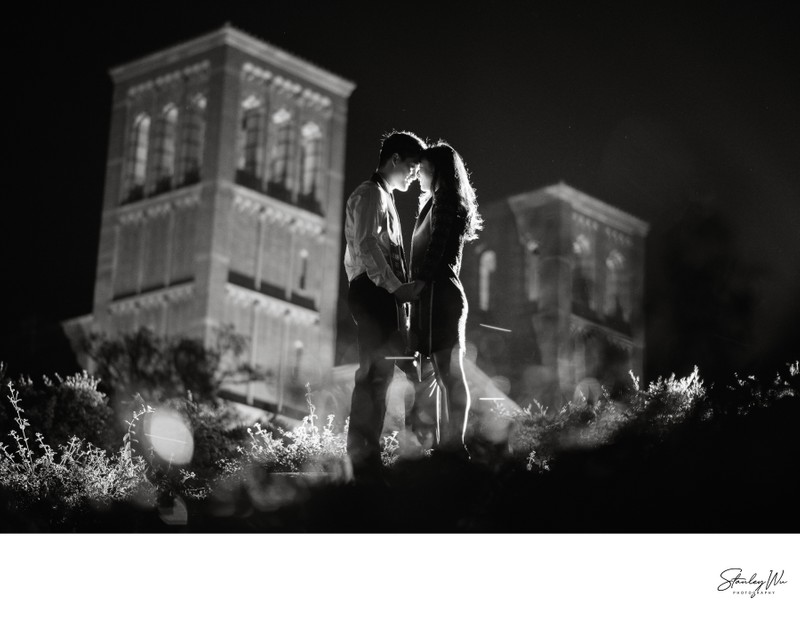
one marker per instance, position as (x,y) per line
(451,186)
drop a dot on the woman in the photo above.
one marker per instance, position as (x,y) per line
(448,218)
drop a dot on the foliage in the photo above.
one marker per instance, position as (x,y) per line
(676,429)
(308,447)
(74,475)
(541,436)
(647,416)
(165,367)
(667,402)
(753,392)
(62,408)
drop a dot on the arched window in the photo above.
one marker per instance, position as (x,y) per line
(486,268)
(311,148)
(166,134)
(281,154)
(615,303)
(582,274)
(251,142)
(194,133)
(303,278)
(137,157)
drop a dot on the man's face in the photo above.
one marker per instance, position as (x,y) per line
(404,172)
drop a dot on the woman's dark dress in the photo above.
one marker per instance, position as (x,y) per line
(439,318)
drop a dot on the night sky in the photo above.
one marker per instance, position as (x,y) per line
(687,118)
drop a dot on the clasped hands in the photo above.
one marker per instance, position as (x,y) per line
(409,292)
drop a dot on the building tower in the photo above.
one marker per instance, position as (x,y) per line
(223,204)
(556,291)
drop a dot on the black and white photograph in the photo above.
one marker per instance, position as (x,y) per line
(378,307)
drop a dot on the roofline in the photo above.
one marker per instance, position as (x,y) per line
(230,36)
(586,204)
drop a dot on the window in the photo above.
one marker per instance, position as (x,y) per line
(252,128)
(298,359)
(615,303)
(311,155)
(487,266)
(281,154)
(303,280)
(194,132)
(137,157)
(165,148)
(250,154)
(582,274)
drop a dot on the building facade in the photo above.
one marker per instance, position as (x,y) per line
(556,292)
(223,205)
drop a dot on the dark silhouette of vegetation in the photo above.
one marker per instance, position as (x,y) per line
(676,456)
(62,408)
(164,367)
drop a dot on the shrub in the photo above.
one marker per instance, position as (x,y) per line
(309,447)
(667,402)
(65,407)
(305,448)
(753,392)
(646,416)
(649,413)
(677,432)
(164,367)
(73,476)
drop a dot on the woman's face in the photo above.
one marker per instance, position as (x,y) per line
(426,175)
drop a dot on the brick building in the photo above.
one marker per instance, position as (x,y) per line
(556,286)
(223,204)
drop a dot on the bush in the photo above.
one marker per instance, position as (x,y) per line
(74,476)
(647,417)
(64,408)
(163,367)
(309,447)
(656,454)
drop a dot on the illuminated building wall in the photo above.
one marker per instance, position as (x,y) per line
(223,204)
(556,289)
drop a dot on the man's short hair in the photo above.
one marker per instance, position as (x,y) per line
(405,144)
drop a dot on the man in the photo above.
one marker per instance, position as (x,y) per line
(375,264)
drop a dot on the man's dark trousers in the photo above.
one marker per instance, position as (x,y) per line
(375,312)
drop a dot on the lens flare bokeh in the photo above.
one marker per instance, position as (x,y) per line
(169,435)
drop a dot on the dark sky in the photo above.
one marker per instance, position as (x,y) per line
(687,117)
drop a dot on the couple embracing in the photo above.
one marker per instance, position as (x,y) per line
(412,306)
